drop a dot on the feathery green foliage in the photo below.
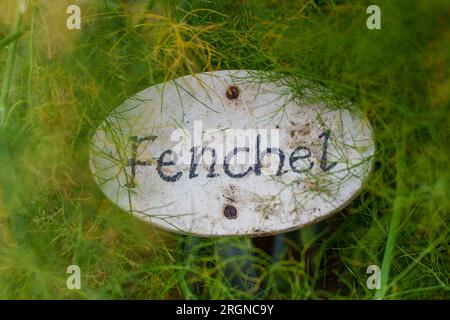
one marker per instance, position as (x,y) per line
(65,82)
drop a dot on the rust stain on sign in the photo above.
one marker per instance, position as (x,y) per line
(226,153)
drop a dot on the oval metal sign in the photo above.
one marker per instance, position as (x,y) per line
(226,153)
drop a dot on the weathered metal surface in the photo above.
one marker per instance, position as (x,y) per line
(142,156)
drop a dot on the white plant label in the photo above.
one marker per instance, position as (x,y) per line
(227,153)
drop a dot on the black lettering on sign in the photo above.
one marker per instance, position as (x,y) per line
(323,159)
(226,163)
(295,155)
(162,163)
(133,161)
(260,155)
(194,162)
(300,152)
(195,158)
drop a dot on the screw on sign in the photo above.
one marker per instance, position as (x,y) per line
(230,212)
(263,161)
(232,92)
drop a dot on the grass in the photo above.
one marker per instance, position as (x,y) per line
(64,83)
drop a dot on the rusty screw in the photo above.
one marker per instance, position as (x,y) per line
(233,92)
(230,212)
